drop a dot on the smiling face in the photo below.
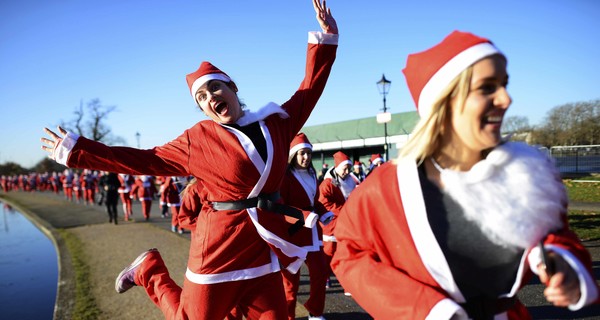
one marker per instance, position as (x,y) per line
(475,125)
(219,101)
(343,171)
(303,158)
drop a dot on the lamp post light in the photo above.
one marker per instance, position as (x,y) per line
(384,117)
(137,137)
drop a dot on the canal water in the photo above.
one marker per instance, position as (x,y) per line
(28,268)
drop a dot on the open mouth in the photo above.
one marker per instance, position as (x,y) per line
(221,108)
(492,120)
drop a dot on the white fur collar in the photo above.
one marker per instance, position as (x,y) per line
(515,195)
(260,114)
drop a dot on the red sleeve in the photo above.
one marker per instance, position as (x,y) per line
(171,159)
(330,196)
(190,207)
(319,61)
(319,207)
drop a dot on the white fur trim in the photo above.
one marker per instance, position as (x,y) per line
(377,160)
(327,238)
(316,37)
(204,79)
(343,163)
(587,286)
(308,182)
(294,267)
(515,195)
(288,248)
(311,220)
(262,113)
(236,275)
(296,148)
(62,151)
(447,309)
(438,82)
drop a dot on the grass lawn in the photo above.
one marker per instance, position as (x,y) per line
(585,223)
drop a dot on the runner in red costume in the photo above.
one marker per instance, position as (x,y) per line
(240,157)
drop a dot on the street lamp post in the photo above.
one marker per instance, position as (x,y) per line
(137,137)
(384,87)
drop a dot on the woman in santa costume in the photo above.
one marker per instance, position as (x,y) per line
(376,161)
(455,226)
(89,183)
(67,184)
(299,189)
(127,182)
(170,195)
(333,192)
(144,190)
(240,158)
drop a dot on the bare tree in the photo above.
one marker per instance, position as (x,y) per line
(570,124)
(91,123)
(515,124)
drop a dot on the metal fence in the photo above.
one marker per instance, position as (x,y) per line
(577,159)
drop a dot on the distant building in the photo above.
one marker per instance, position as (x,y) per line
(360,138)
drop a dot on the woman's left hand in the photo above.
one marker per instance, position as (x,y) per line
(326,20)
(562,288)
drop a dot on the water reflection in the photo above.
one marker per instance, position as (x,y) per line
(29,268)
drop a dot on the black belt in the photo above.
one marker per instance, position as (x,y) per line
(482,308)
(267,202)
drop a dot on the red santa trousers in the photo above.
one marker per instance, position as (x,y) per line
(318,271)
(146,207)
(174,215)
(258,298)
(127,211)
(329,248)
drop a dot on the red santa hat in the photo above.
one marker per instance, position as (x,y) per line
(376,158)
(429,72)
(341,159)
(356,164)
(205,73)
(300,141)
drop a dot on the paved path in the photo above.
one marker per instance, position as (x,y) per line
(111,247)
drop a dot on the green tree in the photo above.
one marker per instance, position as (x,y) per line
(12,168)
(48,165)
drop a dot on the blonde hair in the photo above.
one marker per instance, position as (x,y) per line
(426,137)
(188,187)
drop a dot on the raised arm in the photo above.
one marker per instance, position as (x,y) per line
(324,17)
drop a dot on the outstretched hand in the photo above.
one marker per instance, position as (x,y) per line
(52,143)
(324,17)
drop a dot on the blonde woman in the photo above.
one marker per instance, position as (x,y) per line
(450,230)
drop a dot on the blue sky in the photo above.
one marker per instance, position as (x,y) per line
(135,54)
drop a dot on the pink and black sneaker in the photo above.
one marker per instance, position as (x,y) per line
(124,280)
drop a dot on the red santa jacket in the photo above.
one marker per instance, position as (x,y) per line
(295,194)
(388,257)
(170,192)
(333,199)
(230,168)
(191,205)
(127,182)
(144,188)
